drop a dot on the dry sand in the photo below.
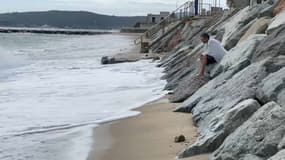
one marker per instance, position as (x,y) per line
(149,136)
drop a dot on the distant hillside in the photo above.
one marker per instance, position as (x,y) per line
(67,19)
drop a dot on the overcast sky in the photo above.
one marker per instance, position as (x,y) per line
(110,7)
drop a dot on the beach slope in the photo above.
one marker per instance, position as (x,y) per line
(149,136)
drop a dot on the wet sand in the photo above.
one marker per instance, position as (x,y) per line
(149,136)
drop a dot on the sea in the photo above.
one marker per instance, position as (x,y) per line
(54,92)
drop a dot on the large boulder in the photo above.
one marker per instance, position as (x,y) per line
(269,11)
(234,39)
(258,27)
(211,103)
(197,25)
(176,60)
(281,145)
(240,55)
(272,88)
(251,157)
(182,69)
(236,116)
(279,156)
(178,77)
(272,46)
(187,87)
(168,62)
(235,27)
(259,136)
(277,21)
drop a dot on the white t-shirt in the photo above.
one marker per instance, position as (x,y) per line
(215,49)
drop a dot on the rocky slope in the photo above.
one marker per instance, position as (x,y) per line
(239,107)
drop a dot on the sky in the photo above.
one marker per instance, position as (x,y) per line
(109,7)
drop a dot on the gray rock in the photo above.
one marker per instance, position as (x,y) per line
(268,11)
(179,59)
(211,103)
(236,116)
(198,26)
(179,139)
(239,55)
(279,156)
(160,41)
(273,45)
(238,24)
(182,70)
(235,38)
(272,88)
(176,65)
(187,88)
(172,59)
(187,32)
(251,157)
(215,29)
(234,69)
(259,136)
(281,145)
(277,21)
(105,60)
(178,77)
(259,27)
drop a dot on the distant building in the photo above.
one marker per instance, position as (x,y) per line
(152,19)
(156,18)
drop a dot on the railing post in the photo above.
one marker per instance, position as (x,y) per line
(196,4)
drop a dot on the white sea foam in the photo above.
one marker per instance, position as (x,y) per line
(9,60)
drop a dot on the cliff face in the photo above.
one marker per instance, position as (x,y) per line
(239,107)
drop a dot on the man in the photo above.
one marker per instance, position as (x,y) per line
(214,53)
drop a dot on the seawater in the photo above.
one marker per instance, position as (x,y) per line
(54,91)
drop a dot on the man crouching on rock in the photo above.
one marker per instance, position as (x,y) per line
(214,53)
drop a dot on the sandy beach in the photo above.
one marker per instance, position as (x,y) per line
(149,136)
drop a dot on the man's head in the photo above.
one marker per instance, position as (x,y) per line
(205,37)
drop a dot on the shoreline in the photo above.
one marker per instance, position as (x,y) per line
(149,135)
(64,31)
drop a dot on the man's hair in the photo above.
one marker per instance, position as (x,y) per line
(205,35)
